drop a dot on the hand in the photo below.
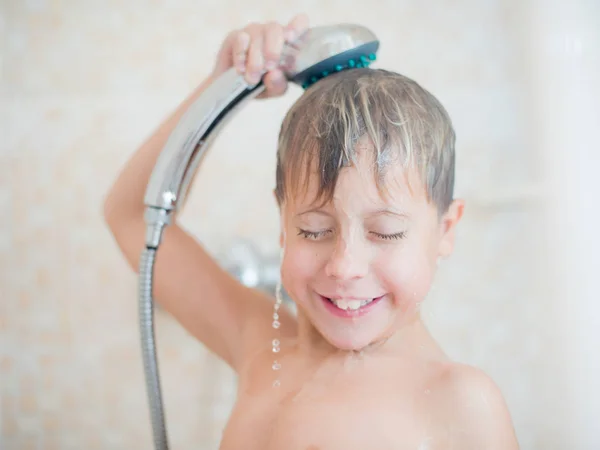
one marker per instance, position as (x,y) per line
(257,48)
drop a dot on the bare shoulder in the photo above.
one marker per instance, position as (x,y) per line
(472,405)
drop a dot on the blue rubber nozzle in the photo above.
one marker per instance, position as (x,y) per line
(359,57)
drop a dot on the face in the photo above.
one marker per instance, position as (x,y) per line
(359,266)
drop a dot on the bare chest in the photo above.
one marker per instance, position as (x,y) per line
(325,414)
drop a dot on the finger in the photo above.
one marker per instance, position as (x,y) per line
(255,61)
(296,26)
(273,45)
(240,46)
(275,84)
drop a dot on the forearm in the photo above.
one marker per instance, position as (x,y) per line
(125,199)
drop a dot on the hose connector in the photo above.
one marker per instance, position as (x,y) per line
(156,220)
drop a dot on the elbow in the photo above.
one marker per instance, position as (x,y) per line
(112,213)
(117,210)
(108,210)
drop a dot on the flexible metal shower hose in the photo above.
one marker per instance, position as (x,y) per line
(146,317)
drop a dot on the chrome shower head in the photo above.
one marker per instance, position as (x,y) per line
(322,51)
(317,53)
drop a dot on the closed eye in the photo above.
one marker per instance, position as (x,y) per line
(390,237)
(312,234)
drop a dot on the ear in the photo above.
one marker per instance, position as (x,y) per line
(448,224)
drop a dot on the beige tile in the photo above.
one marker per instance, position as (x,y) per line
(28,404)
(29,443)
(52,424)
(9,426)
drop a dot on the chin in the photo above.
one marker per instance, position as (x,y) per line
(352,330)
(348,343)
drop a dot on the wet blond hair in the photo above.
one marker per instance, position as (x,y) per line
(404,122)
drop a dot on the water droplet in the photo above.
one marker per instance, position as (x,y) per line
(276,383)
(427,391)
(275,342)
(276,366)
(276,307)
(275,316)
(276,324)
(275,349)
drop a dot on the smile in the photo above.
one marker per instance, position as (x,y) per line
(350,304)
(350,307)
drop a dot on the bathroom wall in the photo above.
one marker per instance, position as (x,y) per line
(84,83)
(566,69)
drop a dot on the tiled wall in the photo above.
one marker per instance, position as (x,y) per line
(83,83)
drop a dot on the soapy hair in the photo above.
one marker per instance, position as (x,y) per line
(404,123)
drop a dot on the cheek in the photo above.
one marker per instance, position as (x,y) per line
(407,273)
(300,264)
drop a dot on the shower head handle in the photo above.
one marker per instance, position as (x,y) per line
(317,53)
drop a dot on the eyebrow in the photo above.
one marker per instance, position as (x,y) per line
(378,212)
(389,212)
(313,211)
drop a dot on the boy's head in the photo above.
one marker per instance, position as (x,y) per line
(365,177)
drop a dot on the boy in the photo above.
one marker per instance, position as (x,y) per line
(365,173)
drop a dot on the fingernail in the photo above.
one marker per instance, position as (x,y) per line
(270,65)
(244,40)
(277,78)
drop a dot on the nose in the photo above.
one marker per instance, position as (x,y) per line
(347,261)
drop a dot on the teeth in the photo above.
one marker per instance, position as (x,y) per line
(351,304)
